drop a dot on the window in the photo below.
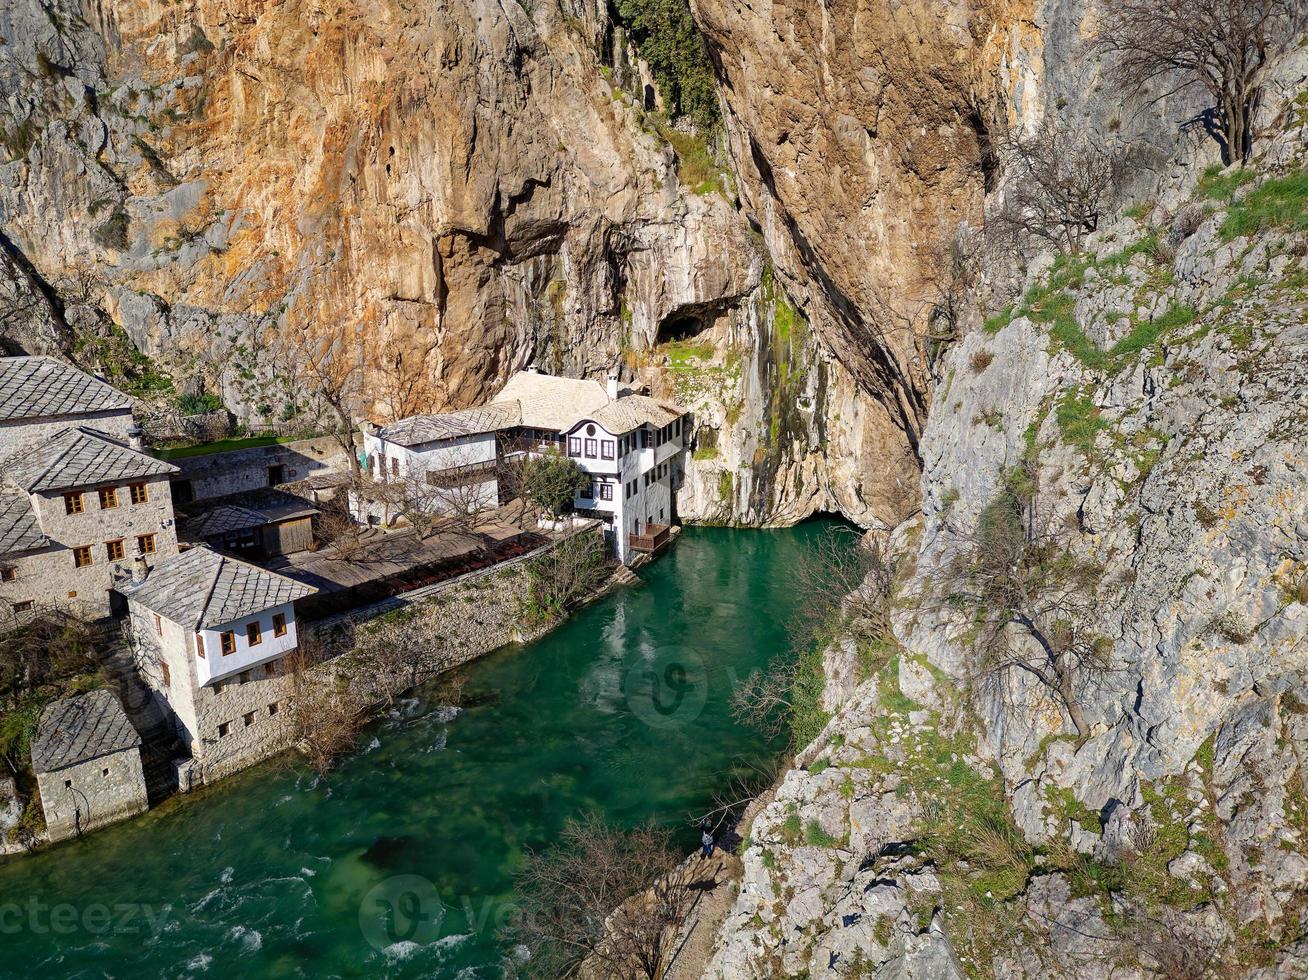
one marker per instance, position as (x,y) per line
(140,493)
(644,438)
(73,503)
(108,498)
(82,556)
(223,728)
(606,449)
(606,491)
(276,475)
(253,635)
(145,544)
(676,427)
(228,642)
(590,430)
(592,449)
(23,606)
(183,492)
(395,466)
(279,624)
(199,646)
(274,708)
(248,718)
(104,773)
(158,625)
(115,550)
(163,671)
(68,784)
(270,669)
(574,446)
(8,574)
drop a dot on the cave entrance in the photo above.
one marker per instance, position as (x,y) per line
(681,326)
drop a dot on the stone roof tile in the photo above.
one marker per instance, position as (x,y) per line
(42,387)
(79,457)
(419,429)
(19,529)
(79,729)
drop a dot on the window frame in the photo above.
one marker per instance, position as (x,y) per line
(165,673)
(75,502)
(140,493)
(83,550)
(607,449)
(8,573)
(227,642)
(146,544)
(279,624)
(606,491)
(108,498)
(592,448)
(115,550)
(574,446)
(158,624)
(199,645)
(253,634)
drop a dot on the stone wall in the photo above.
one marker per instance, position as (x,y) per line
(50,576)
(23,432)
(217,474)
(92,794)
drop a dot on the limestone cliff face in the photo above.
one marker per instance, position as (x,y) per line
(407,201)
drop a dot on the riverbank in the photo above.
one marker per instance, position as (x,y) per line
(269,872)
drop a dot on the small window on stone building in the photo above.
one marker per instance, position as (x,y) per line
(145,544)
(276,475)
(104,773)
(248,718)
(8,574)
(244,676)
(199,646)
(68,784)
(279,624)
(253,634)
(228,642)
(223,729)
(108,498)
(140,493)
(274,708)
(115,550)
(82,556)
(163,670)
(23,606)
(73,503)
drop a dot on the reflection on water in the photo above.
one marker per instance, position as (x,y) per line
(400,864)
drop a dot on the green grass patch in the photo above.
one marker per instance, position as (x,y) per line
(815,836)
(222,446)
(1079,421)
(1278,203)
(1146,334)
(1218,184)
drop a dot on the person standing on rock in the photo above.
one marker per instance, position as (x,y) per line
(706,839)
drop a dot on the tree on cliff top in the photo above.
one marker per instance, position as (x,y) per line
(1226,46)
(1031,600)
(672,45)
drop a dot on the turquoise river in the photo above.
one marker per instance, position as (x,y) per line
(400,863)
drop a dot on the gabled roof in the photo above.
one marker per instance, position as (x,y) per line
(201,589)
(19,529)
(243,510)
(80,729)
(419,429)
(631,411)
(42,387)
(80,457)
(553,403)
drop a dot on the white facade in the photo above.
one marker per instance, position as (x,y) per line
(467,461)
(216,665)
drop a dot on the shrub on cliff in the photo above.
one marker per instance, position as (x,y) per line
(672,44)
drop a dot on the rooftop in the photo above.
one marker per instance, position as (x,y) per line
(79,729)
(419,429)
(554,403)
(241,511)
(80,457)
(42,387)
(201,589)
(19,530)
(632,411)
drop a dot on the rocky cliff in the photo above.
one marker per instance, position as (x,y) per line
(1138,410)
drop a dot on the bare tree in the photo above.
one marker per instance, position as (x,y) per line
(1225,46)
(603,902)
(326,712)
(1032,600)
(404,382)
(42,645)
(955,265)
(340,531)
(334,374)
(1058,184)
(564,576)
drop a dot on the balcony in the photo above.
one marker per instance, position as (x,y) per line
(654,538)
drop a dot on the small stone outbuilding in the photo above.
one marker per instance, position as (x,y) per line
(87,759)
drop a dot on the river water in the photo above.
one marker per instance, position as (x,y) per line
(400,863)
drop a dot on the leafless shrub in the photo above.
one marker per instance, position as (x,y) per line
(1058,185)
(1031,599)
(1188,220)
(564,576)
(1232,625)
(326,712)
(43,644)
(345,536)
(981,360)
(1175,952)
(1224,46)
(603,902)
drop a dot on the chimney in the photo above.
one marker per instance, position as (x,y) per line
(613,387)
(139,569)
(136,438)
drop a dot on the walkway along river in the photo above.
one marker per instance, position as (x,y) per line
(401,862)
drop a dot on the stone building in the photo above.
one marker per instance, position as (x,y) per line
(632,446)
(87,758)
(219,474)
(212,634)
(40,395)
(76,508)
